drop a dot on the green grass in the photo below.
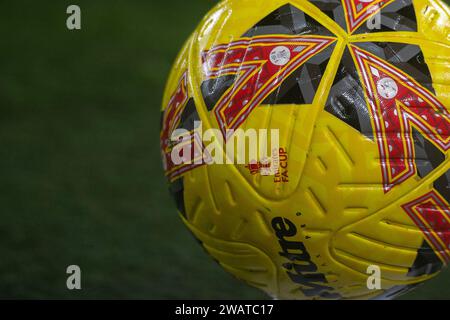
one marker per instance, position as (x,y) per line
(81,179)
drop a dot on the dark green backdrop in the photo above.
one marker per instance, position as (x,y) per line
(80,174)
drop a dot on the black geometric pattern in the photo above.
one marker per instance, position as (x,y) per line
(213,89)
(333,9)
(189,116)
(287,20)
(346,97)
(442,185)
(176,189)
(427,262)
(301,86)
(427,156)
(397,16)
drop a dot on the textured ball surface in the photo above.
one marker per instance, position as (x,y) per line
(359,91)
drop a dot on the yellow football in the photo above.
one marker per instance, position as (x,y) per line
(353,200)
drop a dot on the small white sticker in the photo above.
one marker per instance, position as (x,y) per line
(387,88)
(280,56)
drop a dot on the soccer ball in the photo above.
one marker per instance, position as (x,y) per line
(358,204)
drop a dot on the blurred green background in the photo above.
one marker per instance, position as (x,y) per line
(81,179)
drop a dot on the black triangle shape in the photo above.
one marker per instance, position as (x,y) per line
(287,20)
(427,262)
